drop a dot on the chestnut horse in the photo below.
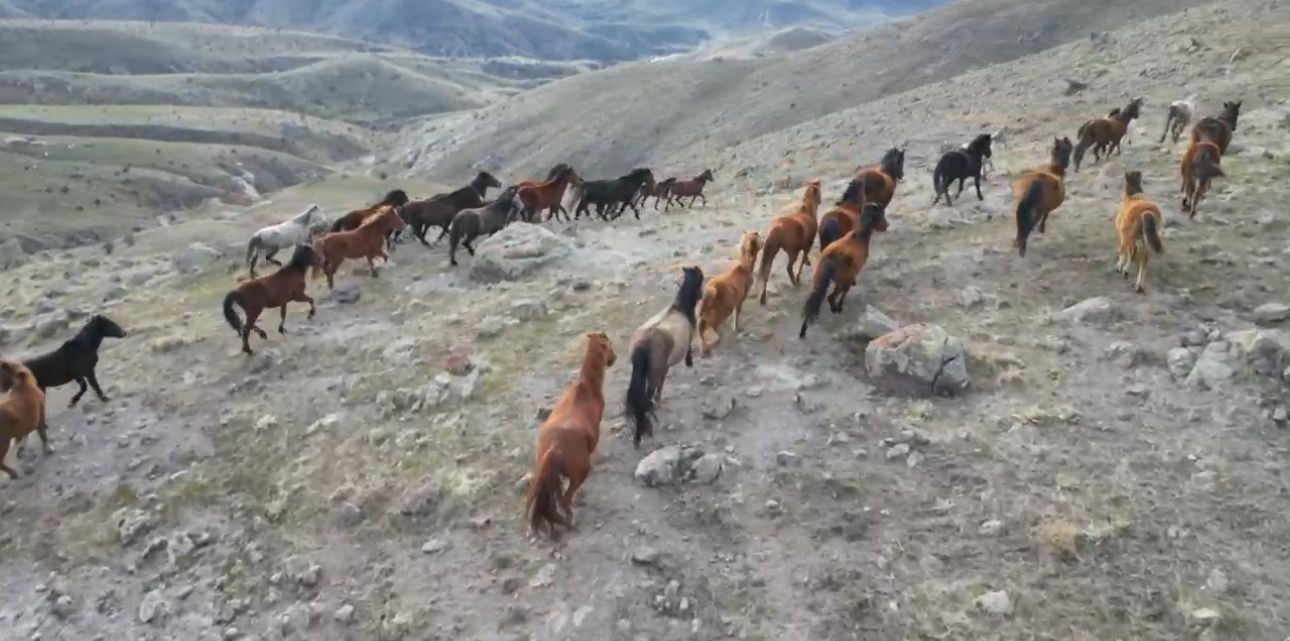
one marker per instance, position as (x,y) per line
(725,294)
(287,285)
(22,412)
(1040,191)
(549,176)
(841,263)
(1218,129)
(692,188)
(566,441)
(840,220)
(368,241)
(794,234)
(1138,222)
(1105,134)
(546,195)
(658,345)
(880,180)
(353,219)
(1200,165)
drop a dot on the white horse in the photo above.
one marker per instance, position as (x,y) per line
(1180,112)
(277,237)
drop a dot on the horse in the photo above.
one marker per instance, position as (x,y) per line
(353,219)
(1200,164)
(482,221)
(1218,129)
(987,167)
(608,194)
(658,345)
(840,263)
(439,210)
(1040,191)
(881,179)
(693,188)
(724,295)
(566,441)
(75,359)
(840,220)
(960,165)
(549,194)
(22,412)
(1178,117)
(287,285)
(794,234)
(658,191)
(368,241)
(275,238)
(1105,134)
(1138,222)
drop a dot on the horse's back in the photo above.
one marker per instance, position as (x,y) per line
(668,332)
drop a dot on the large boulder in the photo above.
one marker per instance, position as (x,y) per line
(1265,352)
(195,257)
(674,464)
(515,251)
(918,359)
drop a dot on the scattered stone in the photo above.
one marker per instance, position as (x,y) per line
(1181,361)
(195,257)
(1205,616)
(132,524)
(325,423)
(1099,310)
(708,468)
(268,421)
(63,606)
(529,309)
(872,324)
(153,608)
(421,500)
(344,614)
(718,406)
(674,464)
(1217,581)
(645,556)
(991,528)
(434,546)
(972,297)
(346,294)
(996,603)
(900,450)
(1271,313)
(544,577)
(788,459)
(918,359)
(1216,365)
(515,251)
(346,514)
(913,459)
(1280,415)
(1266,352)
(490,327)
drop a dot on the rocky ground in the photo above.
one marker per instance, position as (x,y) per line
(1114,468)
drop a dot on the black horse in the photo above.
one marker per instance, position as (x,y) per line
(76,359)
(482,221)
(960,165)
(613,197)
(438,211)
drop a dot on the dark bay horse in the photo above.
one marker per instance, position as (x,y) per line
(1040,191)
(438,211)
(1218,129)
(287,285)
(839,221)
(960,165)
(613,197)
(658,191)
(481,221)
(692,188)
(1104,134)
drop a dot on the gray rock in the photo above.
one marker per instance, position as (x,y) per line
(12,254)
(1181,361)
(645,556)
(972,297)
(153,608)
(918,359)
(344,614)
(516,251)
(1280,415)
(872,324)
(490,327)
(788,459)
(991,528)
(346,294)
(996,603)
(63,606)
(132,524)
(528,309)
(1271,313)
(898,451)
(434,546)
(1265,352)
(1214,368)
(1099,310)
(659,467)
(347,514)
(708,468)
(195,257)
(303,571)
(718,406)
(421,500)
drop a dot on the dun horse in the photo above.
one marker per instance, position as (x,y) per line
(22,413)
(1218,129)
(483,221)
(438,211)
(1039,192)
(287,285)
(960,165)
(368,241)
(658,345)
(1200,164)
(1179,116)
(1105,134)
(793,234)
(275,238)
(76,359)
(566,441)
(546,195)
(692,189)
(1138,222)
(841,263)
(724,295)
(353,219)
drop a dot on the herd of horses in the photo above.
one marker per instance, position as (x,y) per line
(570,434)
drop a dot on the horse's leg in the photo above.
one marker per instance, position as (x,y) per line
(80,380)
(962,179)
(302,297)
(282,325)
(704,198)
(976,181)
(371,264)
(251,323)
(578,472)
(469,248)
(269,256)
(94,383)
(739,309)
(4,452)
(1140,286)
(792,258)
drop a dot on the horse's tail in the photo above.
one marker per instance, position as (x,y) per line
(1080,148)
(768,260)
(640,405)
(1151,231)
(230,314)
(939,183)
(811,311)
(542,503)
(1205,165)
(1083,129)
(1169,121)
(251,249)
(830,231)
(1028,213)
(339,225)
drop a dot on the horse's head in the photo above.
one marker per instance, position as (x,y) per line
(1231,112)
(692,277)
(487,180)
(391,219)
(749,246)
(103,326)
(981,145)
(599,343)
(396,198)
(313,217)
(1132,183)
(893,163)
(13,374)
(872,217)
(1062,149)
(557,170)
(707,176)
(1134,110)
(306,257)
(640,174)
(813,193)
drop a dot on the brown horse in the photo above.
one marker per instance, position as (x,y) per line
(841,263)
(287,285)
(658,191)
(550,175)
(725,294)
(840,220)
(1105,134)
(657,346)
(546,195)
(353,219)
(794,234)
(1039,192)
(567,440)
(22,412)
(368,241)
(880,180)
(692,188)
(1218,129)
(439,210)
(1200,165)
(1138,222)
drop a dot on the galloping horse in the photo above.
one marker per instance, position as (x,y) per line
(1104,134)
(275,238)
(658,345)
(840,263)
(658,191)
(438,211)
(353,219)
(693,188)
(1179,116)
(287,285)
(1138,222)
(613,197)
(550,175)
(880,180)
(482,221)
(1218,129)
(546,195)
(960,165)
(368,241)
(76,359)
(1040,191)
(725,294)
(1200,164)
(566,441)
(840,220)
(22,413)
(794,234)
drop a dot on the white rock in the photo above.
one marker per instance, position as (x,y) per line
(434,546)
(1271,313)
(153,608)
(991,528)
(659,467)
(1093,310)
(708,468)
(898,451)
(996,603)
(344,614)
(132,524)
(1215,367)
(1181,361)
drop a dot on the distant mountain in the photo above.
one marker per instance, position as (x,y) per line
(601,30)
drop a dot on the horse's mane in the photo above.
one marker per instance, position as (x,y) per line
(396,198)
(1061,155)
(550,175)
(688,295)
(304,215)
(638,172)
(891,163)
(869,216)
(854,193)
(301,258)
(980,144)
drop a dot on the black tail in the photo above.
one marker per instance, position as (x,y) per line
(230,314)
(1151,231)
(939,184)
(1028,214)
(1169,120)
(640,403)
(830,231)
(1205,165)
(338,225)
(811,311)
